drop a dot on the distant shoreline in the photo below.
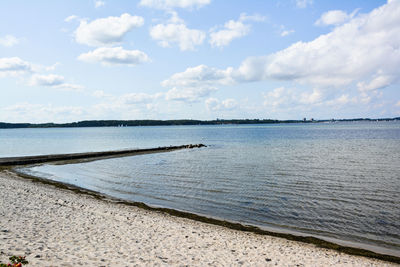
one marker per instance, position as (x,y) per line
(130,123)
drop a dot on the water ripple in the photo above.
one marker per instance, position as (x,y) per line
(335,181)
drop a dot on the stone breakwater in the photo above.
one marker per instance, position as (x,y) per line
(25,160)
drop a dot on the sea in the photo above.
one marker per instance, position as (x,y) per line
(336,181)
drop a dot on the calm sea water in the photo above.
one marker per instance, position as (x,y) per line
(338,180)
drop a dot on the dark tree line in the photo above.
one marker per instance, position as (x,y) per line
(117,123)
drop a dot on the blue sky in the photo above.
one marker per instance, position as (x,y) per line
(65,61)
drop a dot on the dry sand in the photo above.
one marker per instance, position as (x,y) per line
(58,227)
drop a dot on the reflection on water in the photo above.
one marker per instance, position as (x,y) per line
(333,180)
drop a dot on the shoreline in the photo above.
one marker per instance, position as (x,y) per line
(345,246)
(179,122)
(204,222)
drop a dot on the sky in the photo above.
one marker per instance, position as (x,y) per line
(73,60)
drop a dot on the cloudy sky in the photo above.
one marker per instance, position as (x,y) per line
(65,61)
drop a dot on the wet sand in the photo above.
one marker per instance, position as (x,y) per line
(52,226)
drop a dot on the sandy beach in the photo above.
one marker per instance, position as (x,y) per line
(58,227)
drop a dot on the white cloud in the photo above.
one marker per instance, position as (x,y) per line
(310,98)
(213,104)
(115,56)
(55,81)
(286,32)
(365,98)
(100,94)
(295,101)
(229,104)
(168,4)
(52,67)
(175,31)
(279,97)
(398,104)
(70,87)
(46,80)
(116,109)
(37,113)
(378,82)
(334,17)
(12,66)
(175,19)
(350,53)
(127,99)
(106,31)
(71,18)
(139,98)
(134,105)
(196,83)
(199,76)
(152,107)
(15,66)
(99,3)
(282,98)
(283,31)
(140,105)
(8,40)
(344,100)
(255,17)
(189,94)
(232,30)
(303,3)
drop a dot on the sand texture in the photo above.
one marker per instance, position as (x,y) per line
(58,227)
